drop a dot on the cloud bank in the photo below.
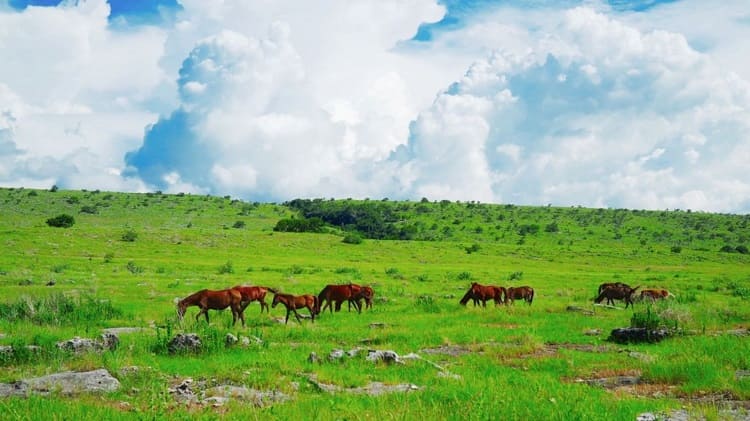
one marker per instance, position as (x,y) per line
(620,104)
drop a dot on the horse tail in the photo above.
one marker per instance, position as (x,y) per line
(316,305)
(274,290)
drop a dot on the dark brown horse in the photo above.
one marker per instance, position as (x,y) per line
(253,293)
(606,285)
(366,293)
(478,292)
(338,294)
(207,299)
(293,302)
(525,293)
(612,293)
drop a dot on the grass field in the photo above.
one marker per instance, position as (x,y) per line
(128,257)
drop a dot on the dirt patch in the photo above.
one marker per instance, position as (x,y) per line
(452,350)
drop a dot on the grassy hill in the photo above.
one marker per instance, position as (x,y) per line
(127,257)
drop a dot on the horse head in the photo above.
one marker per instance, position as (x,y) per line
(181,308)
(276,300)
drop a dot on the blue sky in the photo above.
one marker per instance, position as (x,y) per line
(636,104)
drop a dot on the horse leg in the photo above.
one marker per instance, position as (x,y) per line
(287,315)
(299,320)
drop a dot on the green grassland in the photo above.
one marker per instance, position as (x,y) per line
(129,256)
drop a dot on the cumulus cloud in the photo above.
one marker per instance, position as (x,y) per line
(601,115)
(72,102)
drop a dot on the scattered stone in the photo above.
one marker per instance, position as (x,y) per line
(377,325)
(641,356)
(313,358)
(614,382)
(592,332)
(647,416)
(220,394)
(581,310)
(336,354)
(65,383)
(124,330)
(742,374)
(183,392)
(374,388)
(50,283)
(637,334)
(187,342)
(107,341)
(452,350)
(385,356)
(449,296)
(231,339)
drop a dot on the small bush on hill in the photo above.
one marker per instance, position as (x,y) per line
(61,221)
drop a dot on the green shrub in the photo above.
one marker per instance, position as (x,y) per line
(92,210)
(134,268)
(515,276)
(129,236)
(742,249)
(473,248)
(352,238)
(645,319)
(676,249)
(61,221)
(239,224)
(226,268)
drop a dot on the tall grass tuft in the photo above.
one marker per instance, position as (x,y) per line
(59,309)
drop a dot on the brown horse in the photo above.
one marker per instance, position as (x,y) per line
(366,293)
(613,293)
(338,294)
(478,292)
(606,285)
(207,299)
(654,294)
(525,293)
(253,293)
(293,302)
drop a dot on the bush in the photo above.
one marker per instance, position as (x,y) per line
(129,236)
(134,268)
(727,249)
(92,210)
(676,249)
(645,319)
(226,268)
(515,276)
(61,221)
(471,249)
(352,238)
(742,249)
(239,224)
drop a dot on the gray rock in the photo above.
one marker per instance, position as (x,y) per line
(107,341)
(231,339)
(65,383)
(637,334)
(187,342)
(385,356)
(336,354)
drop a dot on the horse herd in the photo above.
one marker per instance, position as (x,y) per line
(239,297)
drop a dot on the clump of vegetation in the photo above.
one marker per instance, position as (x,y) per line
(61,221)
(394,273)
(129,236)
(472,248)
(89,209)
(352,238)
(515,276)
(299,225)
(59,309)
(133,268)
(645,319)
(239,224)
(226,268)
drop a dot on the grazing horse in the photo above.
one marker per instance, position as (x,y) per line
(366,293)
(253,293)
(478,292)
(207,299)
(624,293)
(655,294)
(338,294)
(606,285)
(293,302)
(525,293)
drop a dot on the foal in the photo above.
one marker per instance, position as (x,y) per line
(293,302)
(253,293)
(207,299)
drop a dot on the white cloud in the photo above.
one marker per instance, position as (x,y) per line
(658,126)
